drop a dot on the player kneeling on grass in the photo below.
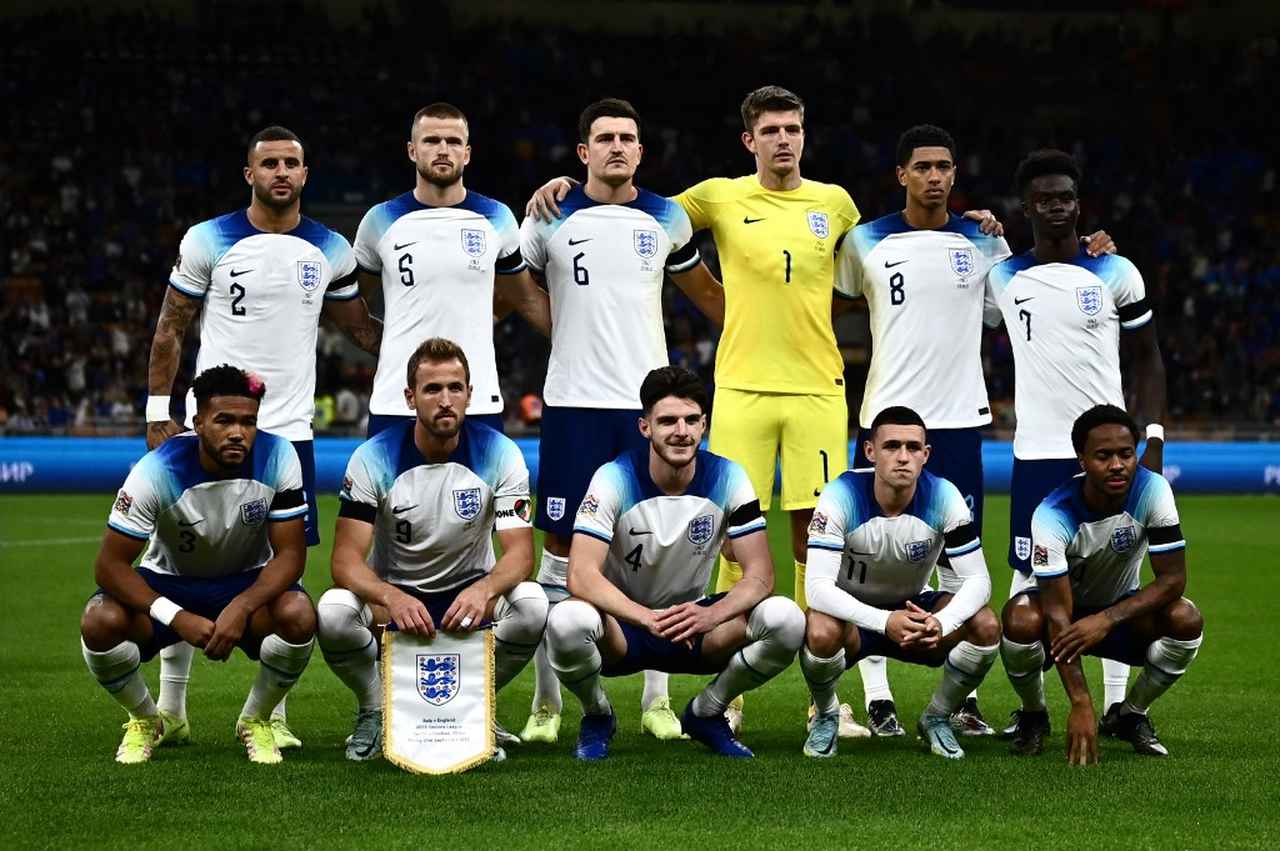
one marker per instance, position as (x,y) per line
(645,539)
(223,511)
(1088,538)
(427,495)
(875,537)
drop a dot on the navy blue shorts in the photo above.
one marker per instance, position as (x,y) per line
(955,454)
(575,443)
(306,450)
(647,652)
(438,602)
(382,422)
(872,643)
(204,597)
(1122,644)
(1032,482)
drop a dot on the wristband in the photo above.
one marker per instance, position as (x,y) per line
(164,610)
(1155,431)
(157,409)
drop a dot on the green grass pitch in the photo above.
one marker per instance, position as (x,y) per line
(60,787)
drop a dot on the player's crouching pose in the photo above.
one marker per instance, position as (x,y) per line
(873,542)
(1088,538)
(427,495)
(223,511)
(645,538)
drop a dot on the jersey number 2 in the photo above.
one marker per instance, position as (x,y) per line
(237,291)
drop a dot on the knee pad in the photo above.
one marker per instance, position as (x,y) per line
(343,621)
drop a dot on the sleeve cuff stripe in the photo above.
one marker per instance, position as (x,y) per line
(1164,548)
(964,549)
(288,513)
(745,530)
(1134,324)
(1044,574)
(342,294)
(599,536)
(844,295)
(131,533)
(677,268)
(818,545)
(515,270)
(187,292)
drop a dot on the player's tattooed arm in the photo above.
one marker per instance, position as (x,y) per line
(352,539)
(353,318)
(1170,569)
(1142,349)
(702,288)
(114,573)
(1082,725)
(176,314)
(520,292)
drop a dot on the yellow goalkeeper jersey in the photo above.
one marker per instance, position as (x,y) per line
(777,258)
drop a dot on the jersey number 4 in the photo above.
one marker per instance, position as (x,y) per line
(633,558)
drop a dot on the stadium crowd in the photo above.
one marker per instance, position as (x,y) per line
(137,131)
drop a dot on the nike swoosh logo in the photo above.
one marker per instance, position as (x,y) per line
(747,220)
(406,245)
(1021,300)
(401,509)
(236,274)
(580,241)
(192,523)
(889,265)
(642,531)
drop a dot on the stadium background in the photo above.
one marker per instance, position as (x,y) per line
(125,123)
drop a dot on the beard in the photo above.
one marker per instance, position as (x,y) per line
(443,429)
(444,181)
(667,454)
(264,197)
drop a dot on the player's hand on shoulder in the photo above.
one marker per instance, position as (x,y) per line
(194,629)
(1073,641)
(1082,735)
(228,629)
(1098,243)
(467,611)
(987,222)
(683,623)
(545,203)
(409,614)
(159,432)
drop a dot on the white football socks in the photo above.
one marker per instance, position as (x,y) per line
(175,673)
(119,671)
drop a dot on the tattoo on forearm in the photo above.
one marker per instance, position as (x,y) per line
(166,346)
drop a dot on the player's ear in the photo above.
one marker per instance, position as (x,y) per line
(466,155)
(643,425)
(408,398)
(927,450)
(869,450)
(413,152)
(749,141)
(582,152)
(902,175)
(248,174)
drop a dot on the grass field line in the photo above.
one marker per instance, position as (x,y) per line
(35,542)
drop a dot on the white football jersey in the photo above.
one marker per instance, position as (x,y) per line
(1064,322)
(262,295)
(1103,554)
(661,548)
(886,560)
(925,291)
(604,269)
(201,525)
(437,266)
(434,523)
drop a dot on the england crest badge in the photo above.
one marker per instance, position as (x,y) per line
(466,503)
(555,507)
(439,677)
(1022,547)
(1089,299)
(1123,539)
(961,262)
(819,223)
(309,275)
(473,242)
(253,512)
(701,529)
(917,550)
(645,243)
